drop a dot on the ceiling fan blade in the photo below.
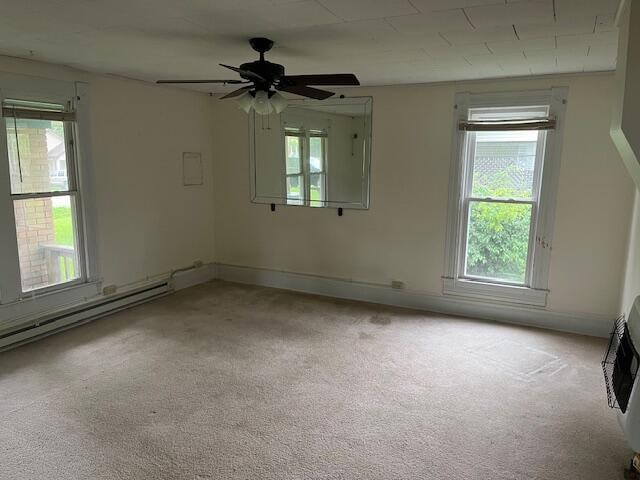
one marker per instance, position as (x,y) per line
(305,91)
(233,82)
(237,92)
(321,79)
(245,73)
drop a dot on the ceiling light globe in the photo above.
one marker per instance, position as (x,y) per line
(279,102)
(245,102)
(262,104)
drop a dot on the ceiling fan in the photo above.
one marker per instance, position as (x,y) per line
(262,78)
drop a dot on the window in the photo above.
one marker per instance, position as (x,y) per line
(317,163)
(294,170)
(502,197)
(43,192)
(48,251)
(305,166)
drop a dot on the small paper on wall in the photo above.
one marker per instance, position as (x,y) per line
(192,168)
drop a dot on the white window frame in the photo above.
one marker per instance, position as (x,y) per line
(300,135)
(304,135)
(14,304)
(535,289)
(72,192)
(324,136)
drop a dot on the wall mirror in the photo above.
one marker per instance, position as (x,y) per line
(314,153)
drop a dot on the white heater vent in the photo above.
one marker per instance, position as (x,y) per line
(627,365)
(620,366)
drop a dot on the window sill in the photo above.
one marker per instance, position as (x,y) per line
(17,312)
(492,292)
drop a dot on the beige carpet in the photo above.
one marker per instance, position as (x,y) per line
(224,381)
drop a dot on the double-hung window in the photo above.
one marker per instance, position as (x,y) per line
(305,166)
(47,243)
(502,195)
(44,192)
(294,166)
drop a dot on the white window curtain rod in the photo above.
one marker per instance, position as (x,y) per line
(507,125)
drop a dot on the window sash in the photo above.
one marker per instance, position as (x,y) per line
(78,246)
(293,200)
(305,135)
(323,189)
(323,165)
(468,159)
(464,242)
(307,166)
(300,138)
(70,158)
(45,111)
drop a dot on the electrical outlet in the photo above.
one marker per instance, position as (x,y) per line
(198,264)
(109,290)
(397,284)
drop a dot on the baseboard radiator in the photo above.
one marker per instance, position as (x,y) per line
(74,316)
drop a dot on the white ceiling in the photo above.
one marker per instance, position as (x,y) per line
(381,41)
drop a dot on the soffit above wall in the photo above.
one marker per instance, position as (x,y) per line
(382,41)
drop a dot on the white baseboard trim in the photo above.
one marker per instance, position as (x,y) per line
(63,320)
(580,323)
(56,321)
(70,316)
(193,277)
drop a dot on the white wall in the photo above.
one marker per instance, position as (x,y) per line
(346,157)
(631,287)
(148,222)
(625,125)
(626,133)
(402,236)
(631,111)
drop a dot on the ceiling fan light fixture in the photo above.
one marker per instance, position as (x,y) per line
(279,102)
(245,102)
(262,102)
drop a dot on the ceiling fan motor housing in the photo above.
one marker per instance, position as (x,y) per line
(267,70)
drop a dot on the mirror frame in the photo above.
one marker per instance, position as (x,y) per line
(366,194)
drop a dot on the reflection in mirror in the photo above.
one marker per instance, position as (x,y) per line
(315,153)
